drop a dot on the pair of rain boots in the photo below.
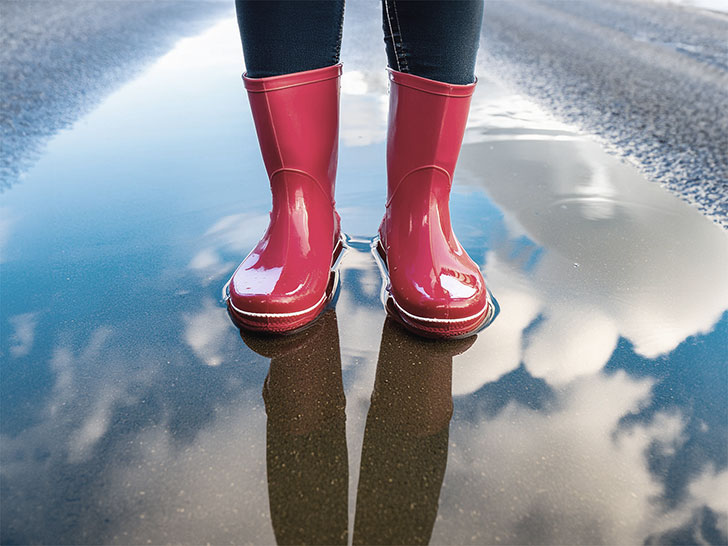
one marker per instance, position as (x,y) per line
(288,279)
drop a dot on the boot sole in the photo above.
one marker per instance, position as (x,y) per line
(427,326)
(294,321)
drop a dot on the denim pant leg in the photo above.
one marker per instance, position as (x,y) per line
(434,39)
(282,37)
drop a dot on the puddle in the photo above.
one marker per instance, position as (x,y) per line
(593,410)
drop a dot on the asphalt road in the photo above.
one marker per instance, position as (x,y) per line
(59,59)
(648,79)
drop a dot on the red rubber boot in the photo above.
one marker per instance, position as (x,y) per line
(435,289)
(288,278)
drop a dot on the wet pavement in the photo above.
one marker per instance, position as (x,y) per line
(59,59)
(593,410)
(649,79)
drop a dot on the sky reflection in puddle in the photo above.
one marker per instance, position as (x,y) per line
(592,411)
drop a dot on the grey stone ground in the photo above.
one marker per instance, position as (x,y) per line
(649,79)
(60,58)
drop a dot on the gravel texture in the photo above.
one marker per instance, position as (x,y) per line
(649,80)
(58,59)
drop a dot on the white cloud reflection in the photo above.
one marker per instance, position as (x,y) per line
(88,384)
(6,223)
(212,492)
(206,491)
(23,333)
(232,235)
(364,107)
(206,332)
(565,476)
(619,257)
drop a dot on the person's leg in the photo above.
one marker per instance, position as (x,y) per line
(292,79)
(434,39)
(282,37)
(435,288)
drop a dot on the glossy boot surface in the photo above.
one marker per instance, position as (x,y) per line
(288,278)
(435,288)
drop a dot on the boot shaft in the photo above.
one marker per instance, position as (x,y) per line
(426,125)
(297,121)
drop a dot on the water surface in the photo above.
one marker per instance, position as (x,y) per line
(592,411)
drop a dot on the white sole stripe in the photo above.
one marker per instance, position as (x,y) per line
(437,320)
(281,315)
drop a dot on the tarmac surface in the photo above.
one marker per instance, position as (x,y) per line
(60,59)
(649,79)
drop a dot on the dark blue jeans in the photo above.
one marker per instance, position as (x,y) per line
(435,39)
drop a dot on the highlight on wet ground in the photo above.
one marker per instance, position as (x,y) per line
(592,410)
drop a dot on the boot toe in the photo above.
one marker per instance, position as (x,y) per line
(283,307)
(455,304)
(451,297)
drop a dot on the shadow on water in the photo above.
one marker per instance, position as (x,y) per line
(404,452)
(306,455)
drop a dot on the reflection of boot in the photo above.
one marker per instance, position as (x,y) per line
(307,463)
(286,281)
(436,289)
(405,442)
